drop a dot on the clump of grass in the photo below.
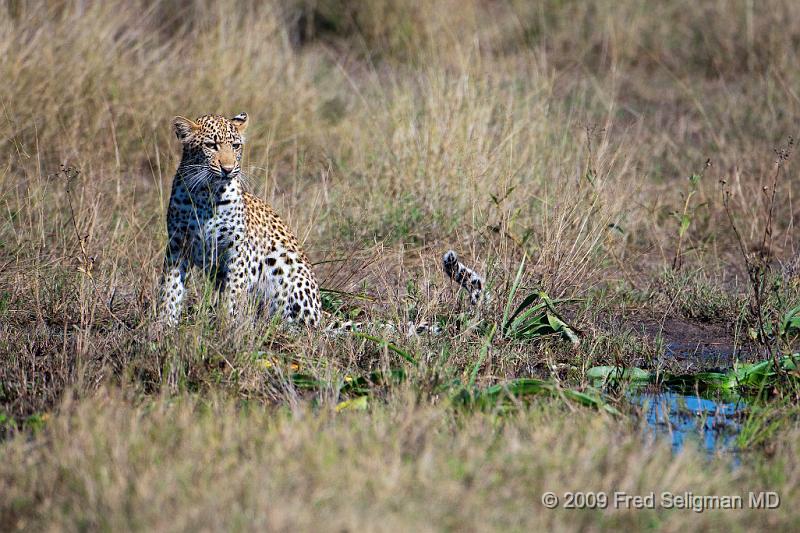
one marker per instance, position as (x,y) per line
(535,317)
(697,296)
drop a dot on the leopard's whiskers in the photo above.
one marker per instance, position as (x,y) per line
(195,179)
(246,180)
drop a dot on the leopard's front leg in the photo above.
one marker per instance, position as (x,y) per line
(232,284)
(172,286)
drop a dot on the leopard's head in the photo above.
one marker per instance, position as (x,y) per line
(212,147)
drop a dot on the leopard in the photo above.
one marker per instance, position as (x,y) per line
(236,238)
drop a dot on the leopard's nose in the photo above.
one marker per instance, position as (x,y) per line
(226,170)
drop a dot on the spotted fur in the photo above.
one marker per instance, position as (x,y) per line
(470,281)
(411,329)
(233,236)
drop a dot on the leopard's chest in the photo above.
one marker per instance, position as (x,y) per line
(210,231)
(212,237)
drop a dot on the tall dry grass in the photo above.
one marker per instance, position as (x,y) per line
(385,133)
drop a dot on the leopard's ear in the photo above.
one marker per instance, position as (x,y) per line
(240,121)
(185,129)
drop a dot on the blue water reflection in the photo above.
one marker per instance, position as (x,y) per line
(686,418)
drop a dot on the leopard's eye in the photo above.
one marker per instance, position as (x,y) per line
(236,146)
(211,144)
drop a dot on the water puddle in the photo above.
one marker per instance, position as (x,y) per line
(706,354)
(711,417)
(707,406)
(690,418)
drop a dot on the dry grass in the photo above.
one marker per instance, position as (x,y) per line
(194,463)
(385,133)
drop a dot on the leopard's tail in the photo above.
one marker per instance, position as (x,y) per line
(470,280)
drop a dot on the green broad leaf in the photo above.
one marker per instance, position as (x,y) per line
(504,395)
(388,345)
(362,385)
(522,325)
(35,422)
(716,380)
(556,324)
(306,381)
(790,323)
(754,375)
(590,400)
(7,421)
(790,362)
(526,303)
(685,221)
(521,387)
(616,373)
(559,326)
(354,404)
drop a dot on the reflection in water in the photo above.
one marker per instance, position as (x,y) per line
(709,355)
(715,424)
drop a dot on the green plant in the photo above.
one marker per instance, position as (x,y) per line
(699,297)
(754,379)
(759,267)
(687,214)
(789,327)
(535,317)
(508,395)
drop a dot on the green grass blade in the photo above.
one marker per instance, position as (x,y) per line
(484,351)
(513,292)
(390,346)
